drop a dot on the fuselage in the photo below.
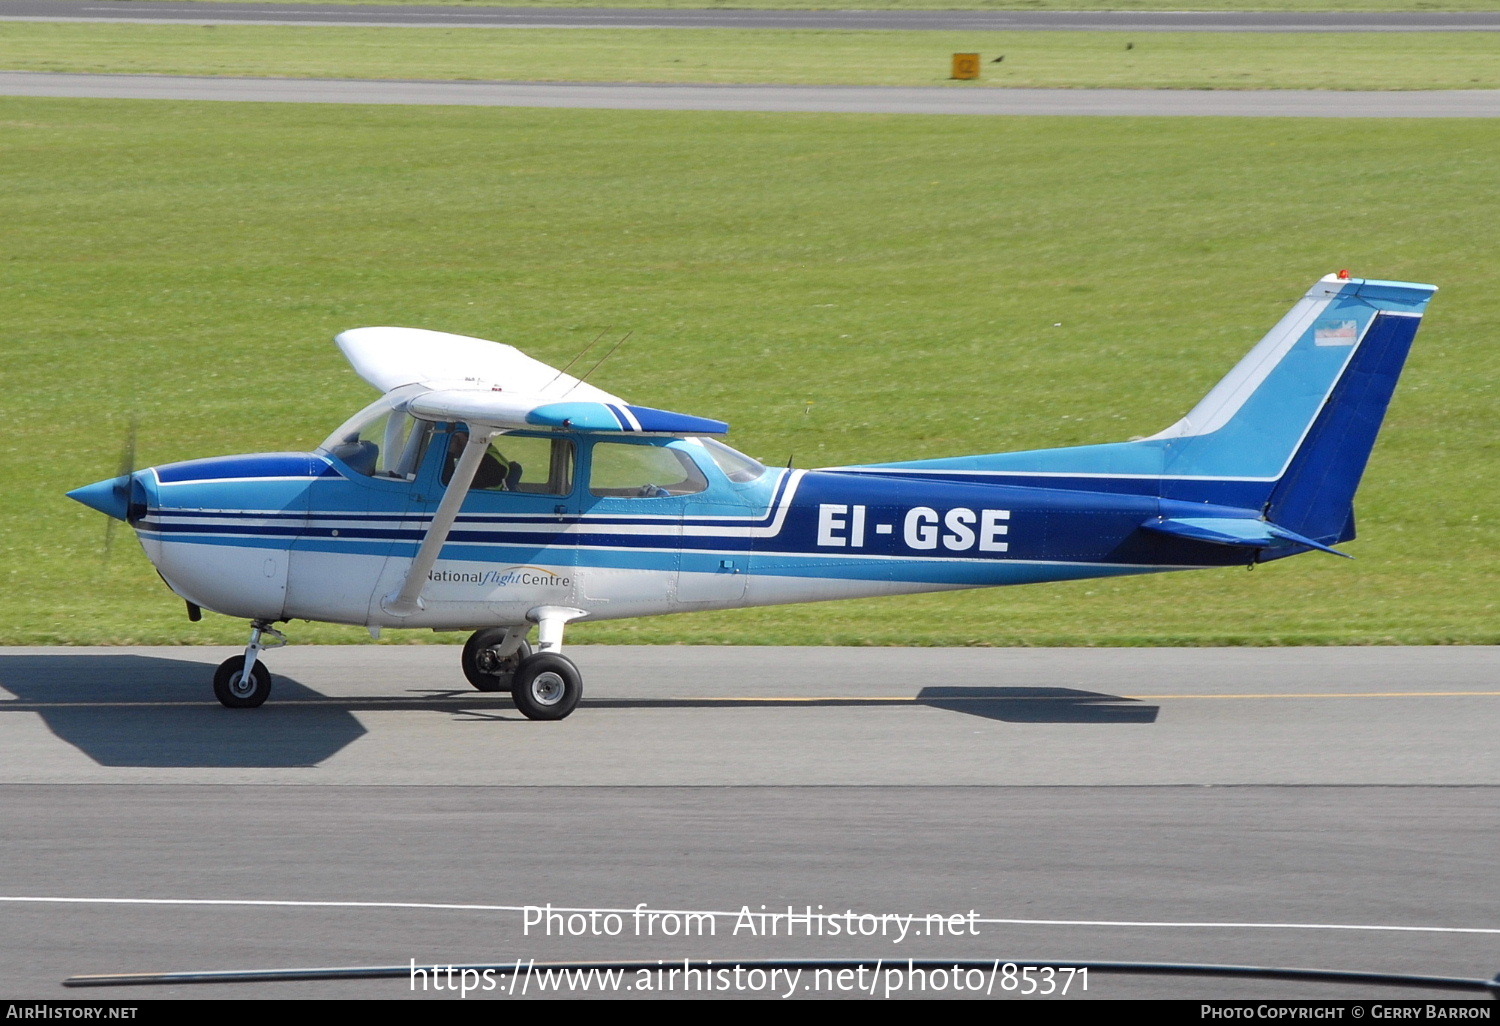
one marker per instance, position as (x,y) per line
(575,502)
(279,536)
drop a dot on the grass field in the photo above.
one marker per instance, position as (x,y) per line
(1006,282)
(1161,60)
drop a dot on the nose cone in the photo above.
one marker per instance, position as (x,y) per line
(111,497)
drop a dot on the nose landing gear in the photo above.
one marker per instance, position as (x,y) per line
(243,682)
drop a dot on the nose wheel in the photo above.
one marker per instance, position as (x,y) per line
(243,682)
(235,689)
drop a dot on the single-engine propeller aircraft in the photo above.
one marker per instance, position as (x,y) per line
(486,491)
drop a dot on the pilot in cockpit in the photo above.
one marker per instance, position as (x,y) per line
(495,472)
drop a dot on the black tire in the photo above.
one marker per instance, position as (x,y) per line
(547,686)
(233,692)
(482,669)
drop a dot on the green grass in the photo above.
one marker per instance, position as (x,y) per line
(1163,60)
(1004,282)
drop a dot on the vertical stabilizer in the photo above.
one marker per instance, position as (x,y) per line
(1285,435)
(1310,373)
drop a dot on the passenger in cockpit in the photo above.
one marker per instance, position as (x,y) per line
(495,472)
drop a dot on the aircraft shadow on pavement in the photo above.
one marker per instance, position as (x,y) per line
(150,711)
(1040,705)
(132,710)
(1015,705)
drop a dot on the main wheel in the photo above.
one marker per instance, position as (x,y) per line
(547,686)
(234,691)
(483,668)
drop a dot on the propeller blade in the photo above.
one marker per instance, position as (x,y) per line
(127,455)
(125,469)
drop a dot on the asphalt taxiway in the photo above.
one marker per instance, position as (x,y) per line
(681,716)
(1317,807)
(1449,103)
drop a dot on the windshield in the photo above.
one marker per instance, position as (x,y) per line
(382,440)
(738,467)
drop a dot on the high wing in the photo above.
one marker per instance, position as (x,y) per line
(490,384)
(391,357)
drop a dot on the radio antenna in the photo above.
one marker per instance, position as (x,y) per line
(601,359)
(575,359)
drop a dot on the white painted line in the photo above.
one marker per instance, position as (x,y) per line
(759,916)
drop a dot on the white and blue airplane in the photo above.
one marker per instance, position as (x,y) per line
(486,491)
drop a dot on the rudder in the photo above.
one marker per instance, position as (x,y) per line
(1315,496)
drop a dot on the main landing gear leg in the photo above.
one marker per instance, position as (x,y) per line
(547,686)
(492,655)
(243,682)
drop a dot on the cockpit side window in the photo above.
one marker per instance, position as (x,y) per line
(625,471)
(517,463)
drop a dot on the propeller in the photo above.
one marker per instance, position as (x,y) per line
(123,475)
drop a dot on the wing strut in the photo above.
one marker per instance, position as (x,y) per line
(407,599)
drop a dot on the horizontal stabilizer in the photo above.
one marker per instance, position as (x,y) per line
(1247,532)
(508,411)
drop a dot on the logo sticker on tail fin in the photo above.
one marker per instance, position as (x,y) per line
(1344,333)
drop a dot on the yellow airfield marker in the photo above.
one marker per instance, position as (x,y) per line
(966,65)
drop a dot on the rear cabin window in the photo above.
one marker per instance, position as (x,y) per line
(625,471)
